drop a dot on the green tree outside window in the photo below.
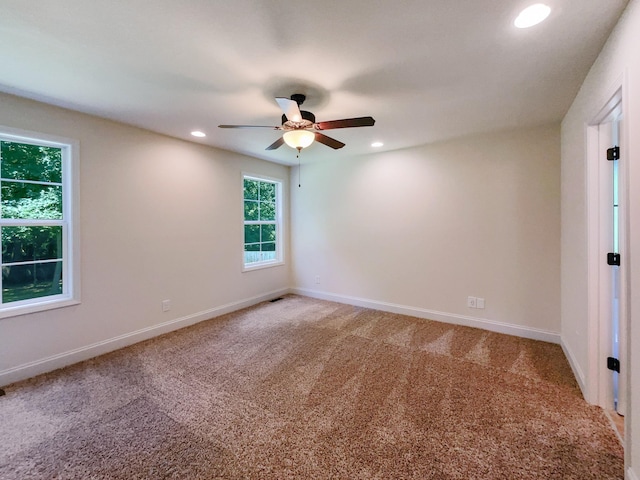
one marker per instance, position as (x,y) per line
(31,211)
(260,221)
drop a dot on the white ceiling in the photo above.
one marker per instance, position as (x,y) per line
(426,70)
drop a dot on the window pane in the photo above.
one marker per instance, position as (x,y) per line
(251,188)
(267,211)
(22,282)
(268,256)
(250,210)
(251,233)
(268,233)
(26,200)
(268,247)
(267,192)
(252,257)
(260,207)
(22,244)
(31,162)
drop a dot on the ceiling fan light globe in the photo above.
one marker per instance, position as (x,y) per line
(298,139)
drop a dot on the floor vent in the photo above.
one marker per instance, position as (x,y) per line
(275,299)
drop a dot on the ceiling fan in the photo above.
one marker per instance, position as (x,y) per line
(300,127)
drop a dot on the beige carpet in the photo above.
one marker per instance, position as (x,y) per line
(308,389)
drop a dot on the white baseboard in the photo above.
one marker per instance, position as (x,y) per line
(48,364)
(64,359)
(467,321)
(631,475)
(577,371)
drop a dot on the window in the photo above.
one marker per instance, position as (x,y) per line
(262,224)
(36,210)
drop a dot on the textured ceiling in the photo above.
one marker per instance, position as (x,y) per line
(426,70)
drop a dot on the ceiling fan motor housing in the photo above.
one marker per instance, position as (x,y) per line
(308,116)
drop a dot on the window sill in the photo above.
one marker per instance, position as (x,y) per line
(14,311)
(261,265)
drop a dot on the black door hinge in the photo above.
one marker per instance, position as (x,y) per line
(613,259)
(613,153)
(613,364)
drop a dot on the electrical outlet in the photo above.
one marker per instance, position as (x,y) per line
(166,305)
(471,302)
(479,302)
(317,279)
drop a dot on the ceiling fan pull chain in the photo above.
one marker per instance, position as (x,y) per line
(299,168)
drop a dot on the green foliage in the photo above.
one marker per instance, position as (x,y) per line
(268,233)
(20,165)
(251,189)
(35,202)
(259,200)
(251,210)
(22,161)
(267,192)
(21,244)
(251,233)
(267,211)
(268,247)
(259,206)
(259,233)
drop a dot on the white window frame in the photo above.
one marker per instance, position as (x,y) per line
(70,223)
(279,260)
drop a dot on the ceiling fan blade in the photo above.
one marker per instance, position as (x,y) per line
(250,126)
(346,123)
(328,141)
(277,144)
(290,109)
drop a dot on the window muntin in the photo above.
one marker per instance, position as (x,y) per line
(36,211)
(262,238)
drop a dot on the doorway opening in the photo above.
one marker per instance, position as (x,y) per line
(608,260)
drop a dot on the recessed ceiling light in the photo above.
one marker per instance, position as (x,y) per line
(198,133)
(377,144)
(532,15)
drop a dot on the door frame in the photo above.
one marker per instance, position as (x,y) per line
(599,380)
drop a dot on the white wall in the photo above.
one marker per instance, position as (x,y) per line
(161,219)
(419,230)
(618,59)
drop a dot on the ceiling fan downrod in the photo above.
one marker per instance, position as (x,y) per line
(299,98)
